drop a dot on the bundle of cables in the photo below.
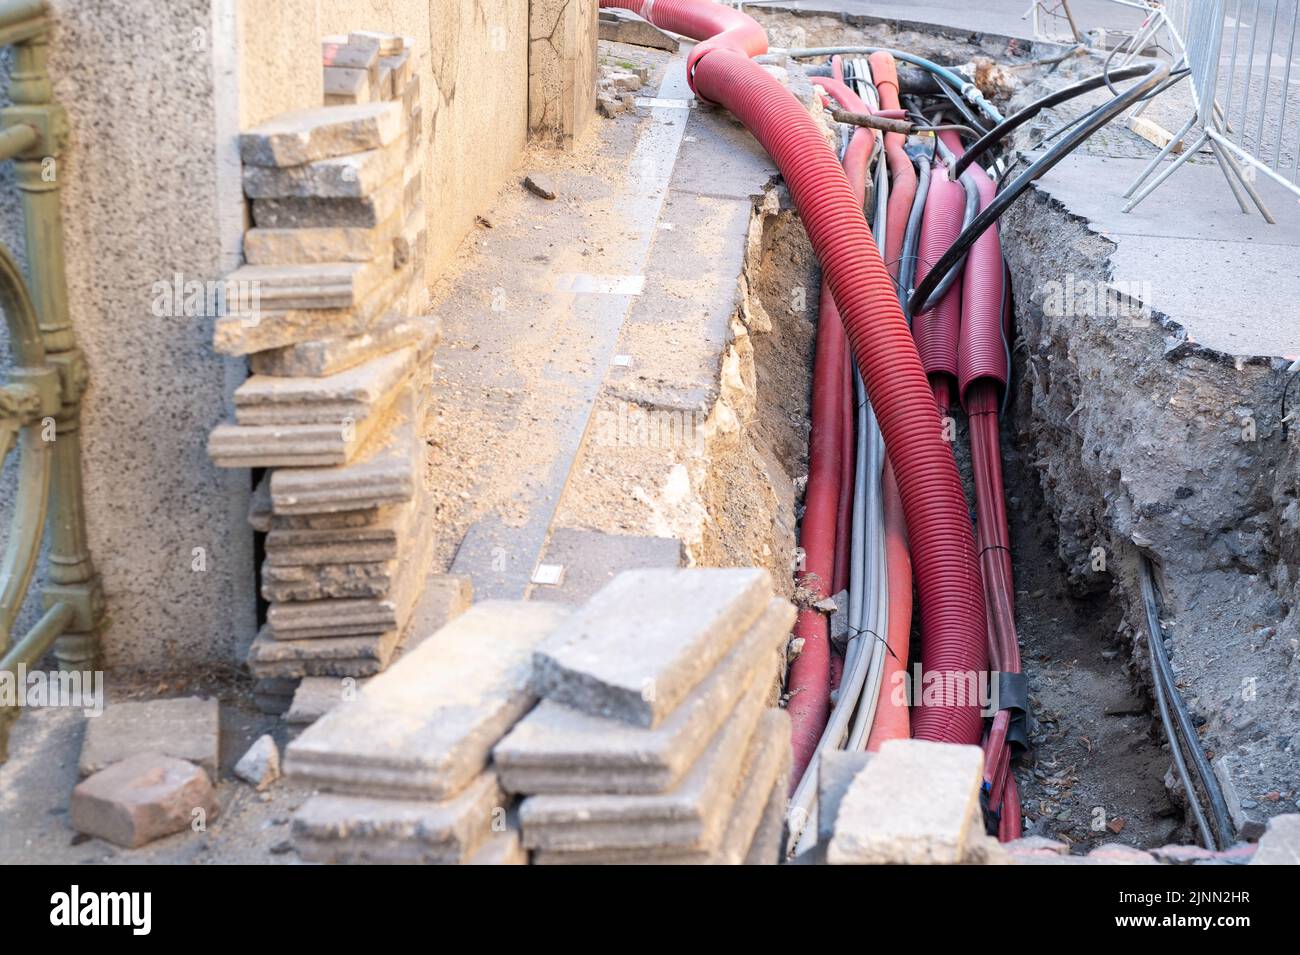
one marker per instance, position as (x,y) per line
(914,317)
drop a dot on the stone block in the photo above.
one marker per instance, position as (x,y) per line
(184,728)
(311,286)
(260,765)
(425,728)
(290,445)
(352,395)
(353,176)
(330,356)
(617,29)
(325,581)
(379,541)
(346,86)
(836,769)
(400,66)
(882,821)
(384,472)
(555,749)
(302,246)
(1280,844)
(690,817)
(310,134)
(410,244)
(338,51)
(500,848)
(321,656)
(311,212)
(769,839)
(647,639)
(142,798)
(317,695)
(388,44)
(360,829)
(274,695)
(766,756)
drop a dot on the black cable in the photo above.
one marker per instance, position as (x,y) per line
(1018,119)
(1157,71)
(1167,698)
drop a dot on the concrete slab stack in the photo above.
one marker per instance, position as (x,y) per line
(653,742)
(403,770)
(327,309)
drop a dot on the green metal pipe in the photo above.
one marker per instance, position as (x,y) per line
(17,139)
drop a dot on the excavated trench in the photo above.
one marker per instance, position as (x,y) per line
(1121,439)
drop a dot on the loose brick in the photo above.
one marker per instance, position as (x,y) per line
(142,798)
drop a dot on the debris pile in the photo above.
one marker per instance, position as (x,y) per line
(334,408)
(653,743)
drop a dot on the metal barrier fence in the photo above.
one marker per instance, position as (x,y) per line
(1240,64)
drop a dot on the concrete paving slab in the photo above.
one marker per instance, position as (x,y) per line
(591,559)
(690,817)
(184,728)
(555,749)
(647,639)
(424,728)
(359,830)
(769,839)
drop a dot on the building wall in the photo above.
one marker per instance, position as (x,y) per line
(156,94)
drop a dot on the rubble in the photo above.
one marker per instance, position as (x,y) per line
(142,798)
(1280,844)
(260,765)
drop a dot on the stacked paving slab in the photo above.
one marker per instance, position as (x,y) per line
(653,741)
(403,770)
(329,308)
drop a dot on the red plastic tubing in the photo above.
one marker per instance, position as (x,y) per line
(953,647)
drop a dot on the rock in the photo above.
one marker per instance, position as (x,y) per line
(608,105)
(260,766)
(356,829)
(881,821)
(439,710)
(183,728)
(142,798)
(555,749)
(1182,855)
(539,185)
(647,639)
(1280,843)
(310,134)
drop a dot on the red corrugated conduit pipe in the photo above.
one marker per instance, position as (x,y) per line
(953,642)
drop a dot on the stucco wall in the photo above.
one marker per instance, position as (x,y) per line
(156,94)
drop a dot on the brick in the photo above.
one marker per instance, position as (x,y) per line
(260,765)
(142,798)
(353,176)
(310,134)
(301,212)
(332,355)
(689,817)
(556,749)
(355,394)
(1280,844)
(360,829)
(647,639)
(438,711)
(882,821)
(384,472)
(184,728)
